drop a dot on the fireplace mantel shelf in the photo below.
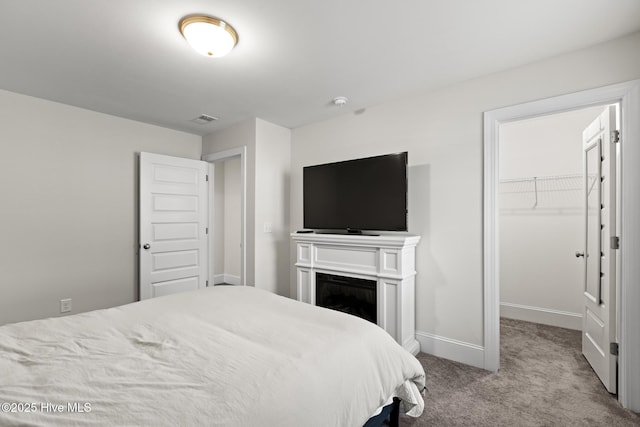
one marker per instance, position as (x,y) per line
(389,260)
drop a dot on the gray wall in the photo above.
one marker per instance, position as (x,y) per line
(68,215)
(273,163)
(219,210)
(268,148)
(240,135)
(442,130)
(541,280)
(232,219)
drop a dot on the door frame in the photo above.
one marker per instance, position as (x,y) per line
(212,159)
(628,95)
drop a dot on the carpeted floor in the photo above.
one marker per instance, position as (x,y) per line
(543,381)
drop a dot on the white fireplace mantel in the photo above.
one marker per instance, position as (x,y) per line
(387,259)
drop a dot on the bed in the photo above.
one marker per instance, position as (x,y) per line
(221,356)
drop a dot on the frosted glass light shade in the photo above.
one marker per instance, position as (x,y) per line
(209,36)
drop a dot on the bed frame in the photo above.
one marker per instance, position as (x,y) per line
(389,416)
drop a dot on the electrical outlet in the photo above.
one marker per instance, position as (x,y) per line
(65,305)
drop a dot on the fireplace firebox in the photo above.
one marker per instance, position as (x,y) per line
(347,294)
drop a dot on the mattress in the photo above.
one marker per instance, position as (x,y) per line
(221,356)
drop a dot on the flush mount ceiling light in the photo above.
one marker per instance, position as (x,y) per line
(340,101)
(209,36)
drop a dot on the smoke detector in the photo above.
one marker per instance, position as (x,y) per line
(204,119)
(340,101)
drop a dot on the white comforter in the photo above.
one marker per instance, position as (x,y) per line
(223,356)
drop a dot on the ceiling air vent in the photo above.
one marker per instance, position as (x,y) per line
(203,119)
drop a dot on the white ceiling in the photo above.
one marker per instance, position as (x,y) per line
(127,57)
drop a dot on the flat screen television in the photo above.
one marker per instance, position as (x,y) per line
(356,195)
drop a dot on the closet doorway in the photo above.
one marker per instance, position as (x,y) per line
(628,95)
(545,276)
(227,175)
(541,222)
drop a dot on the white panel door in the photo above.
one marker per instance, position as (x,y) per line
(173,225)
(599,253)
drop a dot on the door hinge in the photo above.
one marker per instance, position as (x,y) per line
(615,136)
(206,230)
(613,348)
(206,284)
(206,178)
(615,242)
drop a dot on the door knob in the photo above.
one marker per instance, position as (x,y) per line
(147,246)
(579,254)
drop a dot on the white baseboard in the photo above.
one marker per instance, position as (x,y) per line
(546,316)
(226,278)
(232,280)
(447,348)
(473,354)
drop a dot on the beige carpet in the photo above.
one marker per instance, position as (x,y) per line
(544,381)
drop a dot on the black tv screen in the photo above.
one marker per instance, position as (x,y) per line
(360,194)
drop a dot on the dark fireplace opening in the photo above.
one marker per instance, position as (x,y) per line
(347,294)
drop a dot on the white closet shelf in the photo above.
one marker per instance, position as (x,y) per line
(544,183)
(535,185)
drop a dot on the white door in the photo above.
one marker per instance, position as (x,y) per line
(599,253)
(173,225)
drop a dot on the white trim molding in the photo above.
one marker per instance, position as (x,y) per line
(545,316)
(447,348)
(388,261)
(232,280)
(629,360)
(628,95)
(229,279)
